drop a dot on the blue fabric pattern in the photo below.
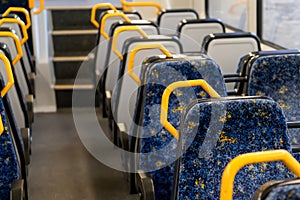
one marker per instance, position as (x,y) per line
(291,192)
(4,5)
(279,78)
(240,126)
(155,138)
(9,170)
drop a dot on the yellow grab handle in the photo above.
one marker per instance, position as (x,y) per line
(126,4)
(1,126)
(21,23)
(41,8)
(94,10)
(21,10)
(17,43)
(31,4)
(165,100)
(105,17)
(129,9)
(119,31)
(138,48)
(10,76)
(252,158)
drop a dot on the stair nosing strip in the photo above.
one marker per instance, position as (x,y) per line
(69,58)
(70,86)
(74,32)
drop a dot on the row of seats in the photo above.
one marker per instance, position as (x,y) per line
(17,74)
(174,111)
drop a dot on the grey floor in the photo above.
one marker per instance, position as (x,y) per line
(61,168)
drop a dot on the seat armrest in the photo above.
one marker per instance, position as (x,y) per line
(25,133)
(293,124)
(145,186)
(29,103)
(123,136)
(32,76)
(17,190)
(108,110)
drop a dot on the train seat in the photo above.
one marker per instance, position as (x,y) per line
(156,145)
(168,20)
(9,165)
(119,33)
(227,49)
(20,68)
(109,18)
(23,86)
(13,179)
(20,31)
(279,190)
(213,132)
(278,77)
(191,32)
(18,109)
(122,103)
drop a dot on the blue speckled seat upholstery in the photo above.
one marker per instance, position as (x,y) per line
(156,140)
(226,129)
(9,169)
(4,5)
(279,78)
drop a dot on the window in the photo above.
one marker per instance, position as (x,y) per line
(232,12)
(280,22)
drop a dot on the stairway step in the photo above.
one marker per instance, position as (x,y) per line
(71,19)
(68,84)
(64,98)
(68,67)
(73,44)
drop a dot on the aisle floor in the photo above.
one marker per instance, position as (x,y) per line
(61,168)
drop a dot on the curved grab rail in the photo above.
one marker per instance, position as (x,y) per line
(41,8)
(94,10)
(21,23)
(126,4)
(165,100)
(119,31)
(252,158)
(31,4)
(105,17)
(9,74)
(9,84)
(17,43)
(138,48)
(21,10)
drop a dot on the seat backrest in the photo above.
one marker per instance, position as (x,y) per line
(213,132)
(156,145)
(112,61)
(9,164)
(168,20)
(102,42)
(192,32)
(227,48)
(278,77)
(20,70)
(124,95)
(15,94)
(17,28)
